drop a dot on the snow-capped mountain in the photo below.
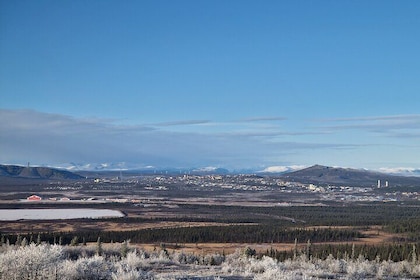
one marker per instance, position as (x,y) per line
(276,169)
(97,166)
(281,169)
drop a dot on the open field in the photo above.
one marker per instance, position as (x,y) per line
(73,226)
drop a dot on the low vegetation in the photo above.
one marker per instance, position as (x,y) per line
(121,262)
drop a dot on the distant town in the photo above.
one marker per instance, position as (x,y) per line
(286,193)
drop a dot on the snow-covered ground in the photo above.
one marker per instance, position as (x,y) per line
(117,262)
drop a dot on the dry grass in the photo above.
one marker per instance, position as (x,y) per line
(68,226)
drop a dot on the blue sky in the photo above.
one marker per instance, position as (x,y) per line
(236,84)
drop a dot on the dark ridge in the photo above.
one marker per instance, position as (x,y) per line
(16,171)
(326,175)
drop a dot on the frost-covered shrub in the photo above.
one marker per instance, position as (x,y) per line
(130,275)
(263,265)
(335,266)
(126,272)
(75,252)
(236,263)
(112,267)
(30,262)
(95,267)
(183,258)
(403,268)
(295,263)
(214,259)
(161,257)
(361,268)
(80,262)
(387,269)
(415,270)
(135,260)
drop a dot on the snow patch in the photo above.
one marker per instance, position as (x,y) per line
(206,169)
(282,169)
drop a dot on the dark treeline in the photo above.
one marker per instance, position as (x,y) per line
(222,234)
(409,230)
(332,215)
(386,252)
(405,226)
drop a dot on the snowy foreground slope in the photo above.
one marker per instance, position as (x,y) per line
(122,263)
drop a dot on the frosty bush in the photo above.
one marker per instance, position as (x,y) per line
(184,258)
(31,262)
(130,268)
(236,263)
(335,266)
(49,262)
(361,269)
(95,267)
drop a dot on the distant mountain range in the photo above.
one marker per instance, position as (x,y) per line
(273,170)
(15,171)
(136,168)
(319,174)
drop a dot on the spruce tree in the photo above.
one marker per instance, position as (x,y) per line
(295,249)
(74,241)
(99,250)
(124,249)
(308,249)
(24,242)
(414,255)
(18,240)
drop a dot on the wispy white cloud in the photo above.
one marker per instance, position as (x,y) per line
(262,119)
(27,135)
(182,123)
(248,127)
(374,118)
(401,126)
(268,133)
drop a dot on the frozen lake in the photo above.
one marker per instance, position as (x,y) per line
(57,214)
